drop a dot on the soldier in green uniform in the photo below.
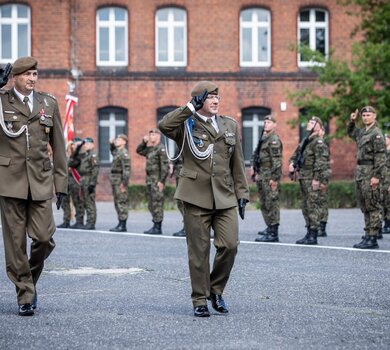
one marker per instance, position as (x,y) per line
(73,196)
(177,165)
(157,169)
(386,189)
(119,177)
(369,176)
(30,123)
(212,183)
(267,171)
(86,162)
(312,175)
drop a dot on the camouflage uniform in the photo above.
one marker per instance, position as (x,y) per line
(157,168)
(315,167)
(386,195)
(87,164)
(270,155)
(371,160)
(323,197)
(120,174)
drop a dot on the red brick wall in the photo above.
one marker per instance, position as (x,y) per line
(64,37)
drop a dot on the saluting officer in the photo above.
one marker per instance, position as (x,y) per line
(268,173)
(119,177)
(212,183)
(30,121)
(312,175)
(371,160)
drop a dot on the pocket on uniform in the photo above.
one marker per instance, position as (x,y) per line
(191,174)
(4,160)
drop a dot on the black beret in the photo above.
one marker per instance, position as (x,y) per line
(23,64)
(204,85)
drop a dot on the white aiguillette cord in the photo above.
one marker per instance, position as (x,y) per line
(201,155)
(11,133)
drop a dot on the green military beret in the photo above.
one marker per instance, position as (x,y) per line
(269,117)
(23,64)
(76,139)
(368,109)
(204,85)
(88,139)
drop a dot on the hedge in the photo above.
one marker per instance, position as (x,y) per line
(342,194)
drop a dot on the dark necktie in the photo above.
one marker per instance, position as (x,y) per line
(25,101)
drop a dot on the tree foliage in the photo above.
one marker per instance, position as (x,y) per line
(363,81)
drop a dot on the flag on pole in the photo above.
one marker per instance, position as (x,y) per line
(68,124)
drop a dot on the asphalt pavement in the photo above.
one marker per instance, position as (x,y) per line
(101,290)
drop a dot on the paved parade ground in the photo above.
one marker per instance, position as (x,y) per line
(101,290)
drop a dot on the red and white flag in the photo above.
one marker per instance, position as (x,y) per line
(68,124)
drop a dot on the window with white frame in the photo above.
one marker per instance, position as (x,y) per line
(171,145)
(112,122)
(255,38)
(111,31)
(15,29)
(252,126)
(312,33)
(171,37)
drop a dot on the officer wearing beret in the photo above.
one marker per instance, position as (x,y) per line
(119,177)
(86,162)
(268,155)
(369,176)
(212,183)
(312,175)
(30,122)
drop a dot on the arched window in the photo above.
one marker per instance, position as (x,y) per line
(15,29)
(112,121)
(171,37)
(255,38)
(111,31)
(252,126)
(312,33)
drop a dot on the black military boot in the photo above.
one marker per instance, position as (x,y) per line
(368,242)
(149,232)
(264,232)
(78,225)
(379,236)
(271,236)
(89,226)
(121,227)
(322,229)
(65,224)
(155,230)
(181,233)
(386,227)
(310,238)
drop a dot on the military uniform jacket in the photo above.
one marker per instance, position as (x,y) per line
(315,165)
(121,166)
(87,164)
(218,181)
(387,169)
(371,151)
(157,164)
(26,169)
(270,157)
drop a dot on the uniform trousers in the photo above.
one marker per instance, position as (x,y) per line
(89,202)
(35,217)
(121,201)
(310,204)
(269,201)
(155,202)
(197,224)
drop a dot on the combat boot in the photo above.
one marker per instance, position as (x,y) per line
(77,226)
(368,242)
(386,227)
(149,232)
(157,229)
(65,224)
(264,232)
(181,233)
(121,227)
(89,226)
(310,238)
(271,236)
(322,229)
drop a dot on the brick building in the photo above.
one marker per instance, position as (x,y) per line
(132,61)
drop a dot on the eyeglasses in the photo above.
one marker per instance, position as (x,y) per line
(210,97)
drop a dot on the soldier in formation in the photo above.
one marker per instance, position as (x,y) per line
(157,169)
(119,177)
(386,189)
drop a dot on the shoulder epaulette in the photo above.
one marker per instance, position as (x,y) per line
(225,116)
(47,94)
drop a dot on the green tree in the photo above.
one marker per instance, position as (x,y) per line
(363,81)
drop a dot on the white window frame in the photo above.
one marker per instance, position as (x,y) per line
(312,25)
(15,21)
(254,25)
(171,24)
(112,24)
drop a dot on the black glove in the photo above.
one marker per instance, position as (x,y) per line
(197,101)
(91,189)
(60,196)
(77,150)
(4,74)
(241,207)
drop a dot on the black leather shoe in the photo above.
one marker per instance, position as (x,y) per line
(34,302)
(26,310)
(218,303)
(201,311)
(181,233)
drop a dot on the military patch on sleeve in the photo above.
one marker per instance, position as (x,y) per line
(320,141)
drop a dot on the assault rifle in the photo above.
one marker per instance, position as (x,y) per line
(256,158)
(299,158)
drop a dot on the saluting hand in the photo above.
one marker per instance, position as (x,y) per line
(354,115)
(198,101)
